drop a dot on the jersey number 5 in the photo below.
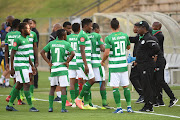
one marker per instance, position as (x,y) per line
(121,47)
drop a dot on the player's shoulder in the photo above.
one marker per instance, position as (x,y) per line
(32,34)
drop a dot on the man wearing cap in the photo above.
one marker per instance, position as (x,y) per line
(147,50)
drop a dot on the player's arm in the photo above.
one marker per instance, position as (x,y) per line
(45,58)
(33,68)
(101,43)
(6,56)
(13,52)
(107,50)
(128,43)
(35,53)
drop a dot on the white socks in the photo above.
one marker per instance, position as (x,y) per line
(58,94)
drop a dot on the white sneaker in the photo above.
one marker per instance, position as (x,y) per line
(73,105)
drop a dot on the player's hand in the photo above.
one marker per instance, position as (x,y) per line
(135,63)
(12,72)
(102,63)
(36,64)
(86,70)
(34,70)
(50,65)
(7,66)
(67,64)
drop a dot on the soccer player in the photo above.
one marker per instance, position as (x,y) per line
(83,59)
(66,26)
(99,73)
(59,71)
(73,68)
(115,48)
(33,51)
(9,40)
(20,60)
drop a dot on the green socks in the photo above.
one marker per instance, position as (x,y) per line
(63,98)
(13,96)
(76,90)
(116,95)
(28,98)
(18,95)
(12,89)
(31,90)
(85,90)
(51,98)
(90,98)
(103,96)
(73,96)
(127,96)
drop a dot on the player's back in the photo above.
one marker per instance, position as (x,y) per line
(117,42)
(58,49)
(10,37)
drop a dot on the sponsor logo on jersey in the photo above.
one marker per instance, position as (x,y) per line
(142,42)
(82,39)
(15,44)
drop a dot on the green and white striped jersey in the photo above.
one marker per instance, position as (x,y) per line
(96,41)
(59,50)
(72,39)
(9,40)
(21,58)
(32,39)
(83,39)
(117,42)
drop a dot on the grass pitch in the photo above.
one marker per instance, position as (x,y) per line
(163,113)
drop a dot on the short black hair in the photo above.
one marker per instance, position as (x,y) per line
(86,21)
(34,21)
(66,23)
(76,27)
(95,26)
(26,20)
(60,33)
(22,26)
(114,23)
(15,23)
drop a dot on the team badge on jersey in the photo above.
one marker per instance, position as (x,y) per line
(101,40)
(15,44)
(143,42)
(82,39)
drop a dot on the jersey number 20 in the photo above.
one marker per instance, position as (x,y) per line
(121,47)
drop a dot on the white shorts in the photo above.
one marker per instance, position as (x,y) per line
(75,74)
(62,81)
(22,76)
(30,69)
(99,73)
(119,79)
(90,74)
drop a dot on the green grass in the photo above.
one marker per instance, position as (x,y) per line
(41,8)
(77,114)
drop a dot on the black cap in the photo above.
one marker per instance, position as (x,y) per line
(144,24)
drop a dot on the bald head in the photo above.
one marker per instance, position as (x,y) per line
(56,27)
(9,20)
(156,26)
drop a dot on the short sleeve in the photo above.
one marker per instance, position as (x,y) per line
(100,40)
(82,39)
(128,42)
(35,38)
(47,47)
(107,44)
(69,48)
(16,44)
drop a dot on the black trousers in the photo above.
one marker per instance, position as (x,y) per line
(35,76)
(147,81)
(160,82)
(135,80)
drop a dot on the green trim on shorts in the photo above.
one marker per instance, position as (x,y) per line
(83,70)
(101,72)
(22,77)
(109,76)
